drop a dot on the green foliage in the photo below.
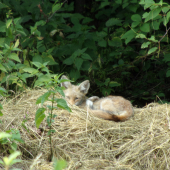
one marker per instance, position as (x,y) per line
(59,164)
(12,139)
(53,87)
(124,41)
(9,161)
(2,93)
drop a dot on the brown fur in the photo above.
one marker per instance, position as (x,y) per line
(115,108)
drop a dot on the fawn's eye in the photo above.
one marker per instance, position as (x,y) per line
(76,98)
(67,97)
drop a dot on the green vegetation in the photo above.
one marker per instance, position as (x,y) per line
(53,88)
(121,46)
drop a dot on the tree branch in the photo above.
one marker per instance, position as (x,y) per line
(164,34)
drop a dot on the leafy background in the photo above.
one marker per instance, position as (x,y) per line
(121,46)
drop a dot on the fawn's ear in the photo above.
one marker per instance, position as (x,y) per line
(84,86)
(66,84)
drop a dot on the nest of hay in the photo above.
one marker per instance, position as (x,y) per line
(86,142)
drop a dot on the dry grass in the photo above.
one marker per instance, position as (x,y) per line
(86,142)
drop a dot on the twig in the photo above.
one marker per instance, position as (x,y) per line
(164,35)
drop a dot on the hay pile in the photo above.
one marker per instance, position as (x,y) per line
(143,142)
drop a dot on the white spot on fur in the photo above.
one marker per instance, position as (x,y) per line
(89,103)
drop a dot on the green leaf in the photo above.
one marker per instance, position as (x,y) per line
(165,9)
(52,130)
(8,23)
(37,58)
(78,63)
(2,68)
(3,5)
(107,81)
(136,17)
(13,156)
(165,21)
(39,116)
(2,28)
(145,44)
(86,56)
(41,22)
(14,146)
(156,24)
(119,1)
(152,14)
(140,36)
(45,69)
(13,78)
(166,57)
(1,162)
(68,61)
(16,49)
(168,73)
(9,33)
(30,70)
(43,98)
(16,43)
(60,90)
(21,32)
(102,43)
(1,114)
(5,135)
(61,103)
(78,53)
(56,7)
(74,74)
(152,50)
(87,20)
(37,64)
(113,21)
(7,46)
(16,161)
(43,79)
(103,4)
(152,39)
(120,62)
(114,84)
(128,36)
(59,164)
(115,42)
(145,15)
(39,100)
(133,7)
(134,24)
(24,76)
(14,56)
(147,3)
(101,34)
(168,16)
(161,95)
(1,106)
(17,137)
(125,4)
(145,27)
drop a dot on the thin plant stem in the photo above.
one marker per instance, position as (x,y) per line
(50,138)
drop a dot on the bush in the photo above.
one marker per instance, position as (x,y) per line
(121,46)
